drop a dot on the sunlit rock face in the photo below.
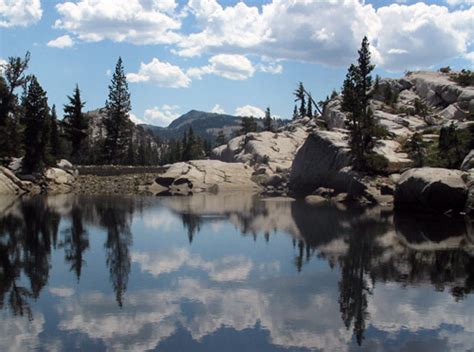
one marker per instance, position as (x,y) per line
(206,175)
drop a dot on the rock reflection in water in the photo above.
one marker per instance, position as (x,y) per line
(364,247)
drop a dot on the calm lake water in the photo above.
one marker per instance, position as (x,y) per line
(230,273)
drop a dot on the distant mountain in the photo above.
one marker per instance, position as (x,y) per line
(205,124)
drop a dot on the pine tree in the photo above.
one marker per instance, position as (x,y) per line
(300,96)
(75,124)
(54,141)
(13,77)
(268,121)
(36,114)
(309,111)
(356,95)
(248,124)
(117,122)
(220,140)
(295,113)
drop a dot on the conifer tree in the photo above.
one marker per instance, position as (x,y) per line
(54,141)
(75,124)
(295,113)
(248,124)
(13,77)
(220,140)
(300,96)
(117,122)
(36,114)
(267,120)
(309,111)
(356,95)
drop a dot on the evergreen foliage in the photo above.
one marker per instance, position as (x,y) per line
(117,122)
(300,96)
(36,132)
(13,77)
(268,121)
(248,125)
(356,95)
(75,125)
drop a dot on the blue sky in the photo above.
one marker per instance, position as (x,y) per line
(227,56)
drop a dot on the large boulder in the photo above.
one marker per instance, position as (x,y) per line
(59,180)
(333,115)
(9,183)
(206,175)
(431,189)
(277,150)
(324,161)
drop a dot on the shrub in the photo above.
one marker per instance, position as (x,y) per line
(446,69)
(464,78)
(376,163)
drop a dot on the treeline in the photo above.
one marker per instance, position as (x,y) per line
(29,127)
(190,147)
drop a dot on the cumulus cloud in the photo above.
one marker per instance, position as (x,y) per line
(402,35)
(61,291)
(459,2)
(19,12)
(406,40)
(235,67)
(161,73)
(249,110)
(64,41)
(218,109)
(133,21)
(160,116)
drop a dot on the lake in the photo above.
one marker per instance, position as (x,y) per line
(230,272)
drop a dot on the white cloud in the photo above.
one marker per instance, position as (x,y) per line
(160,116)
(407,38)
(61,291)
(64,41)
(459,2)
(272,68)
(218,109)
(402,35)
(133,21)
(163,74)
(235,67)
(135,119)
(249,110)
(3,63)
(19,12)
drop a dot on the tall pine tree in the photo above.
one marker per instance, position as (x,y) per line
(356,96)
(300,96)
(35,119)
(54,140)
(75,124)
(13,76)
(267,121)
(117,122)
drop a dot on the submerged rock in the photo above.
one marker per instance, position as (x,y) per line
(431,189)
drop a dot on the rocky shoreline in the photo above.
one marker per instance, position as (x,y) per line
(306,158)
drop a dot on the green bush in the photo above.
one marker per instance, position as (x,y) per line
(376,163)
(464,78)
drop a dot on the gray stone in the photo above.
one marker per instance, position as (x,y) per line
(468,162)
(431,189)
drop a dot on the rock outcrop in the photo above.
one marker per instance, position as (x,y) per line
(323,161)
(204,175)
(273,150)
(431,189)
(10,184)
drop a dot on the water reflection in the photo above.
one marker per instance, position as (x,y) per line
(343,261)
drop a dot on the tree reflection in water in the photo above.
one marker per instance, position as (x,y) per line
(368,245)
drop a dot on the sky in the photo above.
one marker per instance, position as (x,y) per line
(235,57)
